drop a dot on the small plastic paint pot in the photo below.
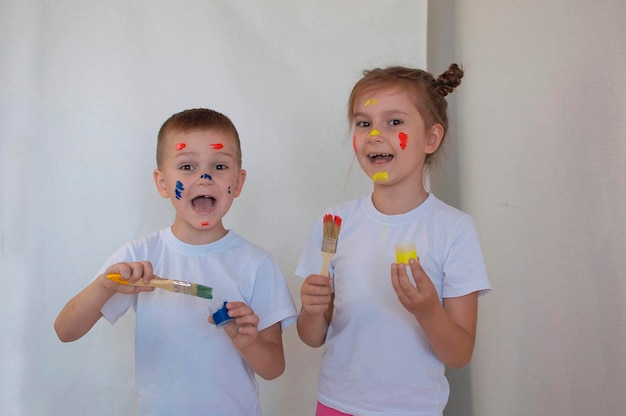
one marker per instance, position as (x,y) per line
(219,313)
(405,252)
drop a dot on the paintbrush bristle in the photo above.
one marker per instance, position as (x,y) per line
(204,292)
(332,226)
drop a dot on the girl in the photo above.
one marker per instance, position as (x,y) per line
(390,329)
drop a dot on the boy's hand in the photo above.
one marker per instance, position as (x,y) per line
(244,329)
(421,299)
(133,272)
(316,294)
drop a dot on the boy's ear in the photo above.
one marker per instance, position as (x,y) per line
(160,183)
(434,138)
(240,181)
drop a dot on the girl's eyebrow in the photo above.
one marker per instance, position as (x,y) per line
(361,115)
(387,113)
(394,112)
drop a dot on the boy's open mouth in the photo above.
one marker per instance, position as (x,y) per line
(203,203)
(380,157)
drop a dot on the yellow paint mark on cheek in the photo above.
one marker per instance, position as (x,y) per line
(380,177)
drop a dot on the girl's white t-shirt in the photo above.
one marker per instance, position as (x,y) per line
(377,360)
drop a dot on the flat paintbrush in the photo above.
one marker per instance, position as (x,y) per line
(332,226)
(177,286)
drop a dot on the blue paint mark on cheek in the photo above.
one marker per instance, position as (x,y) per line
(179,189)
(206,176)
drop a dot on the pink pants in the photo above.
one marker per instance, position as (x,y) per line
(323,410)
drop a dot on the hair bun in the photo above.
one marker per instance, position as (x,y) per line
(448,81)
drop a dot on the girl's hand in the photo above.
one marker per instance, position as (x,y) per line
(422,299)
(244,329)
(316,294)
(133,272)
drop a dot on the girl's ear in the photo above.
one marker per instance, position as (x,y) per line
(434,138)
(160,183)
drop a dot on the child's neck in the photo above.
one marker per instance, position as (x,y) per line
(391,200)
(190,235)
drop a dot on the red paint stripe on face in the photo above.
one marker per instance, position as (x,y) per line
(205,224)
(180,146)
(354,143)
(217,146)
(403,139)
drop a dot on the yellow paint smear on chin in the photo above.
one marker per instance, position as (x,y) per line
(380,177)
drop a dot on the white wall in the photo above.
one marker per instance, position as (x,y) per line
(84,88)
(538,147)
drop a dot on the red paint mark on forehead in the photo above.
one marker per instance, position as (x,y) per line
(180,146)
(403,139)
(217,146)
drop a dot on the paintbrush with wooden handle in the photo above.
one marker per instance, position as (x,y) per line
(177,286)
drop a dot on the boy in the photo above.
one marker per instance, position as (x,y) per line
(184,365)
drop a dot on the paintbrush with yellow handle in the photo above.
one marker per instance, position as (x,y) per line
(332,226)
(177,286)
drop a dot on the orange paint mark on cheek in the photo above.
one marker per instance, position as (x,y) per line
(354,143)
(403,139)
(217,146)
(180,146)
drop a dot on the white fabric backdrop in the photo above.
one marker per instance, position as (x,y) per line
(84,87)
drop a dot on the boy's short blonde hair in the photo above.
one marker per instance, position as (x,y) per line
(196,119)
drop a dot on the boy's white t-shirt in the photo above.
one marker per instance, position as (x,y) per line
(377,360)
(184,364)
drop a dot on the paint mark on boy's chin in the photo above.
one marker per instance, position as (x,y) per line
(380,177)
(180,146)
(217,146)
(403,140)
(204,224)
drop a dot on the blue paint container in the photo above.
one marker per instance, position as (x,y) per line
(219,313)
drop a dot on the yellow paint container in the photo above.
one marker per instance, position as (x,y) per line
(405,252)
